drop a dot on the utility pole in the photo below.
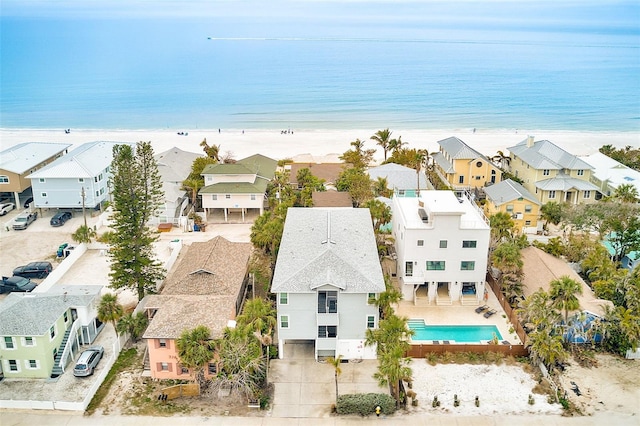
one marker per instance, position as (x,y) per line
(84,215)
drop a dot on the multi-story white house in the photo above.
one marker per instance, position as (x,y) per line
(442,244)
(83,172)
(237,187)
(326,279)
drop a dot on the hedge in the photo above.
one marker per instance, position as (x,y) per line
(365,403)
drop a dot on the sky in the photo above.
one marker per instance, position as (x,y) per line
(622,15)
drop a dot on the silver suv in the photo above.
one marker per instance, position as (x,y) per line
(88,361)
(24,219)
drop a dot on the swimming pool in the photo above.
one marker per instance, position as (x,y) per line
(453,333)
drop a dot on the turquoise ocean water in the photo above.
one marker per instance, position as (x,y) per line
(304,71)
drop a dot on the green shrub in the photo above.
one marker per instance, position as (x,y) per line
(365,403)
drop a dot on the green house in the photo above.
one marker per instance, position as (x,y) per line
(42,332)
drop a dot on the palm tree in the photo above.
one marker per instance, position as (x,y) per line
(381,187)
(502,226)
(546,347)
(84,234)
(259,315)
(389,297)
(381,137)
(110,310)
(537,310)
(393,369)
(133,324)
(626,193)
(396,145)
(195,350)
(508,259)
(193,185)
(212,151)
(335,362)
(563,291)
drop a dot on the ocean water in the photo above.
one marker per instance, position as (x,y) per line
(92,70)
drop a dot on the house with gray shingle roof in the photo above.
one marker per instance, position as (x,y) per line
(238,187)
(551,173)
(326,279)
(462,167)
(84,170)
(19,161)
(206,287)
(174,167)
(512,198)
(402,180)
(42,332)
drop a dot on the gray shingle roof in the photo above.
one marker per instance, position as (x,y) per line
(23,157)
(398,176)
(86,161)
(33,314)
(546,155)
(328,246)
(508,190)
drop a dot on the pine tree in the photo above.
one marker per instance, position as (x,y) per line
(137,194)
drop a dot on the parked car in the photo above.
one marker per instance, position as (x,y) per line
(28,202)
(6,208)
(88,361)
(24,220)
(16,284)
(33,270)
(60,218)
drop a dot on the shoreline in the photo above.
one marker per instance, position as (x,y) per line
(319,142)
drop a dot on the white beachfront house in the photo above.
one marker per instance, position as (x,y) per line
(442,243)
(326,279)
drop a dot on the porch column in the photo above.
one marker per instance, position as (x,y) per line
(280,348)
(243,209)
(225,215)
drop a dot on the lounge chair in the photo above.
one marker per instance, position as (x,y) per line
(489,313)
(482,308)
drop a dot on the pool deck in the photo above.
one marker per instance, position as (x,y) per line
(459,315)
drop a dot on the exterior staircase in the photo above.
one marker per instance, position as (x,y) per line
(57,365)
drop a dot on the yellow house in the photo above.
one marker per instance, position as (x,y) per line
(551,173)
(510,197)
(463,167)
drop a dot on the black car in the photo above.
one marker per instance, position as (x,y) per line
(33,270)
(60,218)
(16,284)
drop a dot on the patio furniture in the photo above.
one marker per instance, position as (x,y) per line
(489,313)
(481,309)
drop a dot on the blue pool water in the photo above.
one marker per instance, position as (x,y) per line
(453,333)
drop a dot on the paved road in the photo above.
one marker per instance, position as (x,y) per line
(29,418)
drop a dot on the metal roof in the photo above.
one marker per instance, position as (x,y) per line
(564,182)
(23,157)
(85,161)
(334,246)
(458,150)
(399,176)
(508,190)
(546,155)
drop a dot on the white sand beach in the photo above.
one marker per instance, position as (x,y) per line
(275,144)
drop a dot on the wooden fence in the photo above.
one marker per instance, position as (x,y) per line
(508,310)
(173,392)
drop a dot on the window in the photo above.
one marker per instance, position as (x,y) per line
(42,180)
(80,180)
(253,197)
(587,194)
(528,208)
(164,366)
(284,298)
(509,208)
(401,192)
(284,321)
(95,179)
(97,193)
(371,298)
(52,331)
(33,364)
(408,269)
(8,343)
(13,365)
(552,194)
(327,331)
(371,321)
(443,243)
(527,222)
(184,370)
(66,316)
(420,243)
(580,172)
(214,197)
(545,172)
(28,341)
(478,177)
(228,196)
(460,179)
(479,164)
(43,194)
(469,244)
(162,343)
(467,265)
(435,265)
(327,302)
(101,191)
(4,179)
(212,368)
